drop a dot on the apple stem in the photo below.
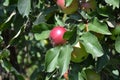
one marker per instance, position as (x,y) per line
(64,17)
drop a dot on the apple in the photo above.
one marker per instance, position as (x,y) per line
(88,6)
(56,35)
(79,53)
(69,9)
(92,75)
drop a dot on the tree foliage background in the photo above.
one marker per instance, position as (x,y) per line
(26,52)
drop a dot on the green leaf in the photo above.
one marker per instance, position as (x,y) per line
(116,72)
(59,22)
(9,68)
(6,3)
(40,19)
(114,3)
(1,39)
(68,2)
(42,36)
(102,62)
(98,27)
(117,44)
(51,59)
(24,7)
(80,76)
(64,58)
(92,44)
(4,54)
(116,31)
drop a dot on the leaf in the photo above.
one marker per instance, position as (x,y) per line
(116,72)
(116,31)
(51,59)
(102,62)
(114,3)
(71,35)
(6,3)
(98,27)
(9,68)
(58,21)
(80,76)
(92,44)
(24,7)
(4,54)
(68,2)
(40,19)
(117,44)
(42,36)
(64,58)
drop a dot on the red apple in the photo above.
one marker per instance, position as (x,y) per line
(70,9)
(56,35)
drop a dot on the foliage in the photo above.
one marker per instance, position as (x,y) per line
(26,52)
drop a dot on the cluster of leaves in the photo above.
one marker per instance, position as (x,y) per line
(26,52)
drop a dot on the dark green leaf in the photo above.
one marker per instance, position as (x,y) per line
(117,44)
(102,62)
(4,54)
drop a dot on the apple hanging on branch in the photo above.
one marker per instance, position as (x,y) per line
(56,35)
(88,6)
(92,75)
(79,53)
(73,7)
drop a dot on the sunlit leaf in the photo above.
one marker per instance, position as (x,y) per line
(24,7)
(64,58)
(51,59)
(68,2)
(42,36)
(98,27)
(114,3)
(92,45)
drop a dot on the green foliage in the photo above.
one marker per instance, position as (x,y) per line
(26,51)
(92,45)
(24,7)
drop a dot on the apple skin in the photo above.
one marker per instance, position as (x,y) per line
(79,54)
(92,75)
(70,9)
(88,6)
(56,35)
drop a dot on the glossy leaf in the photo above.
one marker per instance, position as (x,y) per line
(51,59)
(92,45)
(114,3)
(68,2)
(64,58)
(98,27)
